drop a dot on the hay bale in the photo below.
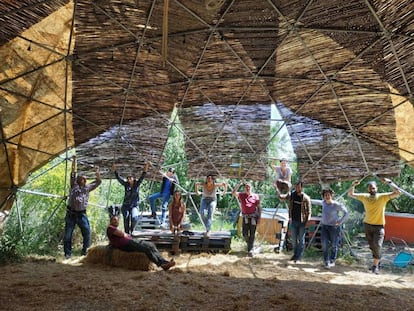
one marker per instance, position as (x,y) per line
(114,257)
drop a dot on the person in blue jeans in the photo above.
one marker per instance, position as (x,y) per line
(300,209)
(76,209)
(209,199)
(131,198)
(334,215)
(167,189)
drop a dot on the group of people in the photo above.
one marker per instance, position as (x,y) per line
(78,201)
(334,213)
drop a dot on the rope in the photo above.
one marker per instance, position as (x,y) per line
(165,33)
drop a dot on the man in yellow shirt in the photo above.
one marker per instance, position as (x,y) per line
(374,220)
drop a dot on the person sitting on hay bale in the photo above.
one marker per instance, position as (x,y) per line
(123,241)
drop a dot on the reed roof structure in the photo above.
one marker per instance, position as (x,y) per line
(104,76)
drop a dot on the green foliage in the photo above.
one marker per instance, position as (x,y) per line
(9,247)
(36,222)
(404,203)
(312,252)
(175,151)
(37,219)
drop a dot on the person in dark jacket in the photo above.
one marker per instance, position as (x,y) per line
(300,210)
(131,198)
(167,189)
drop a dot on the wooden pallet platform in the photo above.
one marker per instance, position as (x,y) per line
(145,221)
(187,241)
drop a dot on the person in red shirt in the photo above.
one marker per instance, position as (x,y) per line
(251,213)
(123,241)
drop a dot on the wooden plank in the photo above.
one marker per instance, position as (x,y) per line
(195,242)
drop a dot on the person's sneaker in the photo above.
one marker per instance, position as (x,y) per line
(375,269)
(332,264)
(168,265)
(67,256)
(250,254)
(293,258)
(83,253)
(327,265)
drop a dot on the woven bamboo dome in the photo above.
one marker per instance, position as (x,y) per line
(238,146)
(85,73)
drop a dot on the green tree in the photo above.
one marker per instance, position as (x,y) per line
(405,203)
(35,222)
(37,219)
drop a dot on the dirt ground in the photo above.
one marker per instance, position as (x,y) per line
(269,281)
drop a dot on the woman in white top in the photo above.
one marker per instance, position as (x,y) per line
(209,199)
(283,181)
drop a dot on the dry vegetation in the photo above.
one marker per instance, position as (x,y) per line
(205,282)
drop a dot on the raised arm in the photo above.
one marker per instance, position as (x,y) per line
(118,178)
(92,186)
(73,172)
(309,208)
(351,191)
(197,187)
(144,172)
(98,174)
(395,191)
(73,164)
(236,189)
(224,185)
